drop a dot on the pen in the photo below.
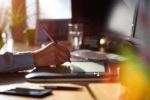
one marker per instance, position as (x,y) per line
(61,87)
(50,37)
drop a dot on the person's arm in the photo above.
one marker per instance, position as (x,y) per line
(10,62)
(51,54)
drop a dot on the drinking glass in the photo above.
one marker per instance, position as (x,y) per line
(75,35)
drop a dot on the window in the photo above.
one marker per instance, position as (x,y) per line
(47,9)
(55,9)
(31,13)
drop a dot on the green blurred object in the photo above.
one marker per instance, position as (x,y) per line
(134,74)
(30,36)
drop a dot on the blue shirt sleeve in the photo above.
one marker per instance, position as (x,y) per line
(10,62)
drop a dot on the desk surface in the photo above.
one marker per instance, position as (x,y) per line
(103,90)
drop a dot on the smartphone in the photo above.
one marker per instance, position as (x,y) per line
(28,92)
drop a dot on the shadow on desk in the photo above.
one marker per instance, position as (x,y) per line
(12,78)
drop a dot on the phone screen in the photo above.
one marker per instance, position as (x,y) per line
(27,92)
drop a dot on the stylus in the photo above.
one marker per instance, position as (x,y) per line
(61,87)
(48,35)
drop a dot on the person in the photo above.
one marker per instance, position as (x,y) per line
(51,54)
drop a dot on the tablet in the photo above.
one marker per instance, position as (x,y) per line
(76,71)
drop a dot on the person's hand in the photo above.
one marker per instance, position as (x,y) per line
(51,54)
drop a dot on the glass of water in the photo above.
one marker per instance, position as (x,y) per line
(75,35)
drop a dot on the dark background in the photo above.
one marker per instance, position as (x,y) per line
(92,13)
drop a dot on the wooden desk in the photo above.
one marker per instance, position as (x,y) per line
(90,90)
(104,89)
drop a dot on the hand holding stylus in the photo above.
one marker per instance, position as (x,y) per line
(52,54)
(50,37)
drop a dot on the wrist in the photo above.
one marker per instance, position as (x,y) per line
(36,59)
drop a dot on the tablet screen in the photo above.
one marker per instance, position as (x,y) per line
(87,67)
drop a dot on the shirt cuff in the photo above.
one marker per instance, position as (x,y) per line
(23,61)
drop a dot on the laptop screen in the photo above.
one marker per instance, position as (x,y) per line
(141,29)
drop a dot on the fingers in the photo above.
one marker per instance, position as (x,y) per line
(64,57)
(60,61)
(61,57)
(62,54)
(61,47)
(62,50)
